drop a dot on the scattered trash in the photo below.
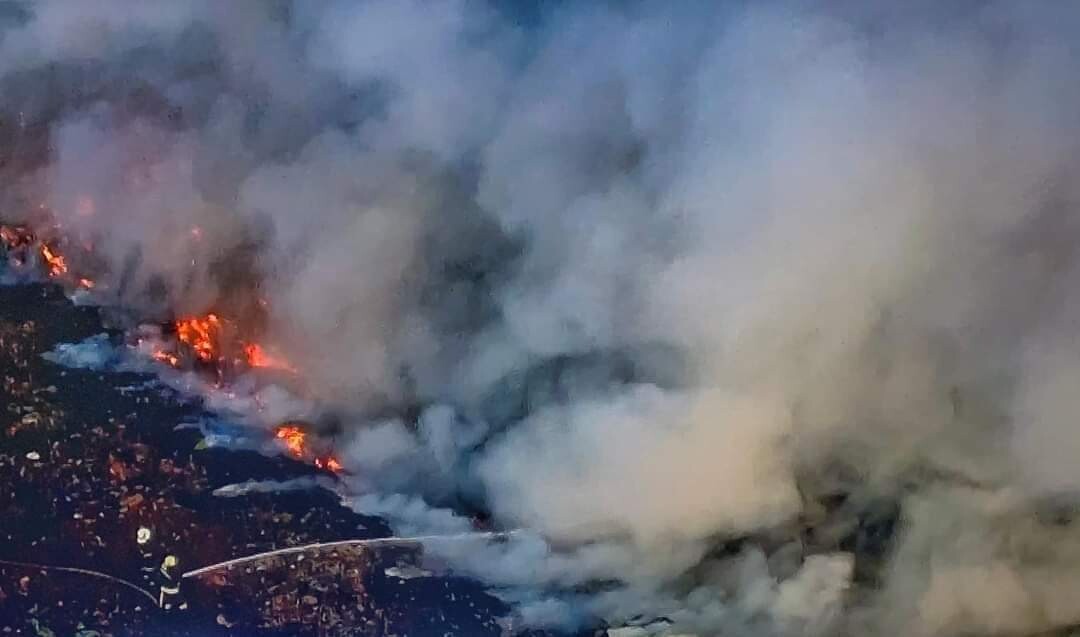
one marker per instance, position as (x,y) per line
(407,572)
(41,630)
(119,485)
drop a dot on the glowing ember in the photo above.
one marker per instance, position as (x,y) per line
(57,263)
(257,356)
(202,335)
(15,237)
(329,463)
(86,283)
(16,240)
(293,437)
(166,357)
(213,340)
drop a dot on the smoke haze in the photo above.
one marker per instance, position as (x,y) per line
(637,278)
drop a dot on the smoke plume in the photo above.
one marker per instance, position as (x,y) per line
(687,292)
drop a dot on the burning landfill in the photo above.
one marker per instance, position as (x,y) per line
(678,318)
(207,343)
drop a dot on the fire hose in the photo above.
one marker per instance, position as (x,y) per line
(384,541)
(379,541)
(83,571)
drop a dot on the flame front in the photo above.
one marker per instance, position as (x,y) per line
(202,335)
(56,261)
(295,440)
(213,340)
(293,437)
(210,338)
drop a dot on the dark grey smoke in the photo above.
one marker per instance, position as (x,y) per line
(635,277)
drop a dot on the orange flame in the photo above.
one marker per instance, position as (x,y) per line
(330,463)
(295,440)
(166,357)
(293,437)
(201,334)
(57,263)
(257,356)
(87,283)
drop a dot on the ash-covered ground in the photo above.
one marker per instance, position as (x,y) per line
(89,458)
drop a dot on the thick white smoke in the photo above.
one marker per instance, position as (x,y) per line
(655,275)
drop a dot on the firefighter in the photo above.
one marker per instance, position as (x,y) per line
(169,594)
(149,571)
